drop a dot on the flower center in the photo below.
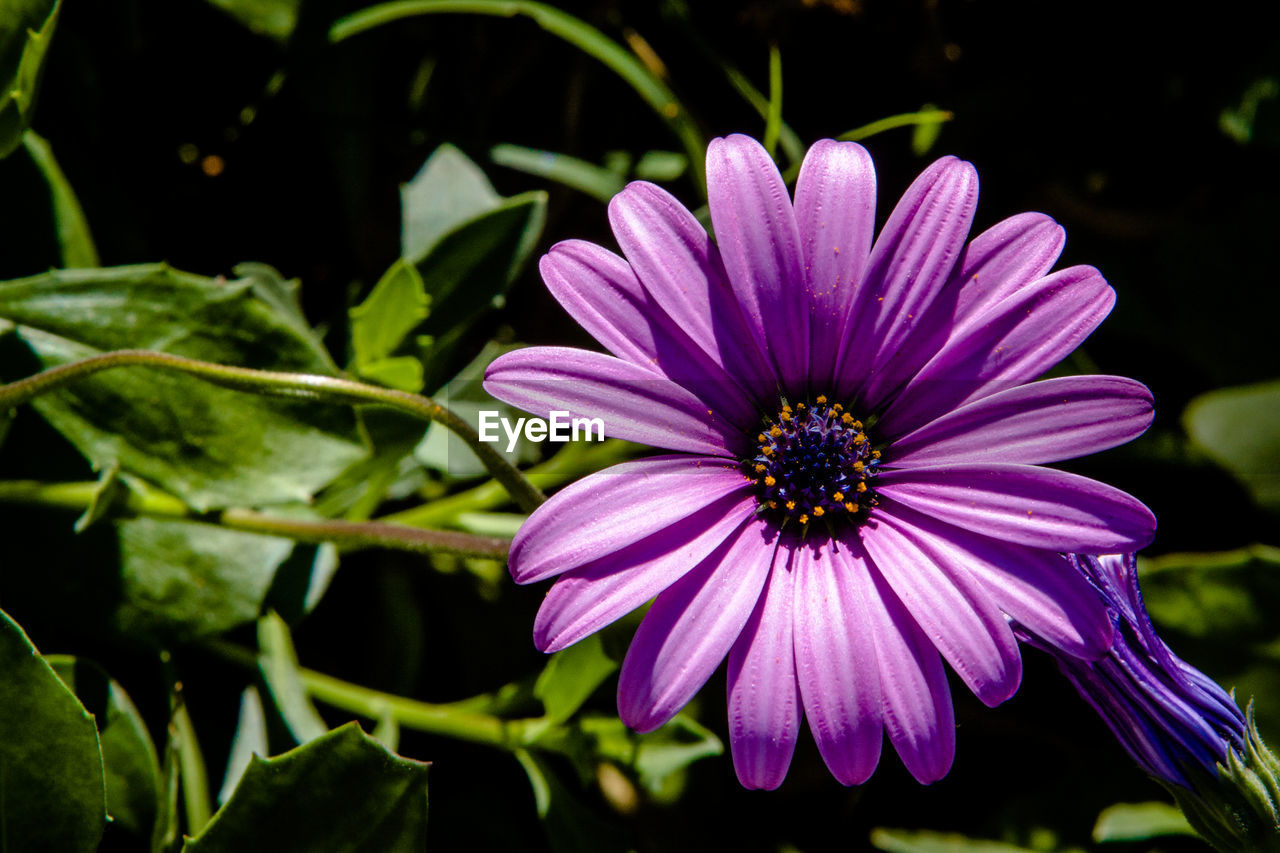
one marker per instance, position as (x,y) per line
(813,461)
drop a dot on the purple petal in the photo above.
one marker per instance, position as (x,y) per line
(612,509)
(953,610)
(918,716)
(759,241)
(691,627)
(1039,589)
(836,212)
(633,403)
(1042,422)
(601,292)
(909,264)
(999,261)
(1003,259)
(764,699)
(1013,341)
(836,658)
(680,268)
(1026,505)
(589,597)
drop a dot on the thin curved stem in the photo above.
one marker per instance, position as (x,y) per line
(333,389)
(347,535)
(647,84)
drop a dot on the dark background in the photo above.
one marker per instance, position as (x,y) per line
(1108,121)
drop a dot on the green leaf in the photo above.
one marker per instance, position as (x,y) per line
(1239,428)
(208,445)
(51,778)
(661,165)
(1217,610)
(342,792)
(250,739)
(472,265)
(570,826)
(1238,122)
(658,759)
(272,18)
(1139,821)
(448,190)
(596,181)
(667,752)
(191,767)
(182,580)
(278,664)
(132,769)
(468,244)
(379,325)
(1229,596)
(74,239)
(26,26)
(571,676)
(923,841)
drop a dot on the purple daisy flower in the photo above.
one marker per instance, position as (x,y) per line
(854,494)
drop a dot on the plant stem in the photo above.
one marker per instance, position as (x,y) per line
(349,535)
(334,389)
(456,721)
(648,85)
(571,462)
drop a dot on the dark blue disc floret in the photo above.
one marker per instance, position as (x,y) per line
(814,461)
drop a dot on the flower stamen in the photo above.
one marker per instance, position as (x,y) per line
(812,456)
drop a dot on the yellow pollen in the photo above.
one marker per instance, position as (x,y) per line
(860,438)
(799,405)
(786,409)
(851,506)
(858,466)
(791,505)
(769,481)
(846,418)
(837,497)
(759,468)
(773,504)
(857,424)
(761,437)
(817,510)
(804,519)
(767,451)
(775,432)
(822,400)
(862,487)
(875,454)
(784,416)
(837,408)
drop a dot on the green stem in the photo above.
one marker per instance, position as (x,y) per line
(450,720)
(348,535)
(460,720)
(571,462)
(773,117)
(333,389)
(578,33)
(860,133)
